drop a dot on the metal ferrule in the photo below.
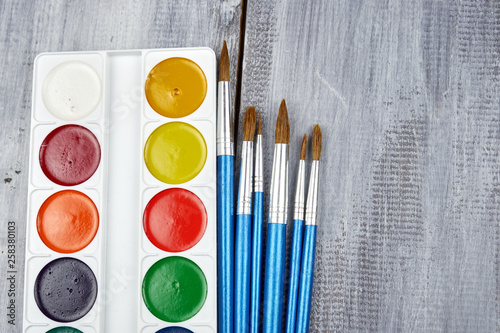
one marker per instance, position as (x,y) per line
(278,204)
(312,195)
(225,143)
(300,192)
(246,173)
(259,166)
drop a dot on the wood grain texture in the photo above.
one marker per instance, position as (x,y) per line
(28,28)
(407,95)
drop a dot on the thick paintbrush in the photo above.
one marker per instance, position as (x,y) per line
(309,244)
(225,198)
(274,278)
(243,237)
(296,250)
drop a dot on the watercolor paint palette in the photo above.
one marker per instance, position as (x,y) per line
(121,230)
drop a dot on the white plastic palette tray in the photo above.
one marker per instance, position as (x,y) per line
(121,254)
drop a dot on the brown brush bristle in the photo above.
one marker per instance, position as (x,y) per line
(316,145)
(282,125)
(303,148)
(224,64)
(259,127)
(249,124)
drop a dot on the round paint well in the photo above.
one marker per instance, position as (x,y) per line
(176,87)
(175,220)
(174,329)
(174,289)
(67,221)
(64,329)
(65,289)
(70,155)
(175,153)
(71,90)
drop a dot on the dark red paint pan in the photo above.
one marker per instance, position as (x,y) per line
(70,155)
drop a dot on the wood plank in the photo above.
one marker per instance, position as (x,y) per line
(28,28)
(407,95)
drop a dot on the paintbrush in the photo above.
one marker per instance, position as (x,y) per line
(309,245)
(274,278)
(257,230)
(225,198)
(243,236)
(296,250)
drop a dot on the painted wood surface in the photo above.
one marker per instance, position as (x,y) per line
(407,95)
(408,98)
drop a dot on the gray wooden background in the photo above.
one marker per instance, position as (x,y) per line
(408,97)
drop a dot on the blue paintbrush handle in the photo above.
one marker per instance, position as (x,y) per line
(225,241)
(258,220)
(243,245)
(306,279)
(295,257)
(274,278)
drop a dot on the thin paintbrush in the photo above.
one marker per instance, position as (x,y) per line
(243,237)
(296,250)
(257,230)
(225,198)
(274,278)
(309,246)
